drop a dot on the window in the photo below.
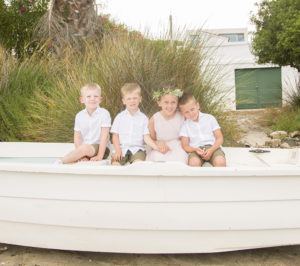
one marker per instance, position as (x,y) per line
(234,37)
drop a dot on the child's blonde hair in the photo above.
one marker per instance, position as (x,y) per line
(130,87)
(90,86)
(185,98)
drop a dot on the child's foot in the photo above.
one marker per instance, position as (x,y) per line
(58,161)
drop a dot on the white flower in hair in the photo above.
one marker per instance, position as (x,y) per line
(159,93)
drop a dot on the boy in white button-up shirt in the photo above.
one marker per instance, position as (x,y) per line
(91,130)
(130,129)
(200,133)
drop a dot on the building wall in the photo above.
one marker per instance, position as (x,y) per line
(237,55)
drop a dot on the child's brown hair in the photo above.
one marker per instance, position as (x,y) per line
(185,98)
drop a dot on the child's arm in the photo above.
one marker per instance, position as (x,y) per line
(219,141)
(117,155)
(186,146)
(102,145)
(151,128)
(149,141)
(77,139)
(162,146)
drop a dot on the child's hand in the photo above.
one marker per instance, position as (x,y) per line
(117,156)
(200,152)
(207,154)
(162,147)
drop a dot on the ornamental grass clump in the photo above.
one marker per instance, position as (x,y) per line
(52,83)
(7,62)
(18,89)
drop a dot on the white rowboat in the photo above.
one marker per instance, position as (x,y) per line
(148,207)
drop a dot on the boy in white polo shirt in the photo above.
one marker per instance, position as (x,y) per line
(130,129)
(201,135)
(91,129)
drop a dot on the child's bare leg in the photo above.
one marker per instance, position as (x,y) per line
(80,152)
(219,161)
(194,161)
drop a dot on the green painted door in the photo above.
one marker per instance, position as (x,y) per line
(258,88)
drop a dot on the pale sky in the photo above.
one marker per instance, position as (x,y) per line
(154,14)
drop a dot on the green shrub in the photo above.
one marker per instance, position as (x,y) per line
(286,119)
(18,19)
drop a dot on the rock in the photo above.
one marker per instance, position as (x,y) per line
(290,141)
(273,143)
(274,135)
(268,143)
(284,145)
(254,139)
(295,134)
(278,134)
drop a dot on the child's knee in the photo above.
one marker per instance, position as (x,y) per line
(219,161)
(194,161)
(86,150)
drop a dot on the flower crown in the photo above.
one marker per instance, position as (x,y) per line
(159,93)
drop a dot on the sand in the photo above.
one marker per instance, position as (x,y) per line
(25,256)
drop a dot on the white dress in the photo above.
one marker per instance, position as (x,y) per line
(168,131)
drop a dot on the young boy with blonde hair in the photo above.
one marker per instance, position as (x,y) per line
(130,129)
(91,129)
(200,133)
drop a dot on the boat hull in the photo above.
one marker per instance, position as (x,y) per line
(150,207)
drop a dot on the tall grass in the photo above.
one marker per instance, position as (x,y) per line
(285,118)
(42,93)
(293,95)
(288,117)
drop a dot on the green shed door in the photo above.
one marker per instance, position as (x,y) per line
(258,88)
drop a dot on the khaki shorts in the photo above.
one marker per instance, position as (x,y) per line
(218,152)
(129,157)
(106,153)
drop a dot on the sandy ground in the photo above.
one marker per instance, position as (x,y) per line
(252,132)
(24,256)
(251,126)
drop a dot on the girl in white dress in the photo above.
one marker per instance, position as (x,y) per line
(164,127)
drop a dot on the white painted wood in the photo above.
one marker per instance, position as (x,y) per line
(149,207)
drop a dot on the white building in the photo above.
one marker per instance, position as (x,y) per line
(251,85)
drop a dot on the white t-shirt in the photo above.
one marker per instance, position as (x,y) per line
(90,126)
(200,133)
(131,130)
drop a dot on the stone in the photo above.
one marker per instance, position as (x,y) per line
(284,145)
(268,143)
(278,134)
(290,141)
(295,134)
(275,143)
(275,135)
(282,133)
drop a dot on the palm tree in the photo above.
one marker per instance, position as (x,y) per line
(79,15)
(70,21)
